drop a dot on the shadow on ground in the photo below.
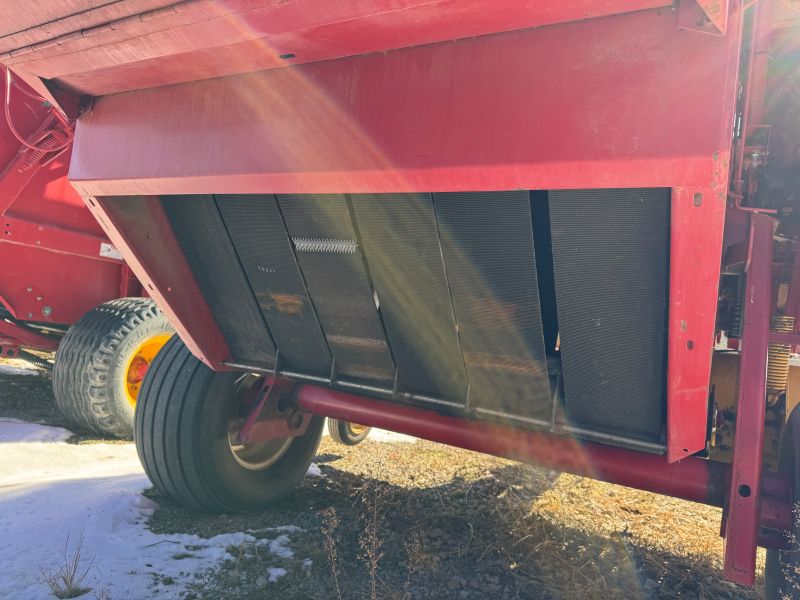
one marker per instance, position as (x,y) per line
(474,535)
(451,524)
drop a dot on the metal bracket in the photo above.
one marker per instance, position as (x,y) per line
(273,415)
(704,16)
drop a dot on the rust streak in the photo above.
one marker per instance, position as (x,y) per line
(508,364)
(287,304)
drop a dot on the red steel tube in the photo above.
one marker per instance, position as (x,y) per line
(690,479)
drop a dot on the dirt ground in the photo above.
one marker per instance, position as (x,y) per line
(422,520)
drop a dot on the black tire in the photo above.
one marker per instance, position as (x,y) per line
(347,433)
(91,365)
(782,569)
(181,436)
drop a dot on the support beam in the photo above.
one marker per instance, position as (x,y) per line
(697,222)
(744,500)
(140,229)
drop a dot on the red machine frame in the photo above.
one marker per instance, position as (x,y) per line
(58,264)
(639,65)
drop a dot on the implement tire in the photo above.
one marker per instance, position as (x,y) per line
(347,433)
(101,361)
(782,570)
(183,438)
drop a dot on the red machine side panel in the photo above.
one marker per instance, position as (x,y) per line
(57,263)
(200,39)
(697,219)
(624,101)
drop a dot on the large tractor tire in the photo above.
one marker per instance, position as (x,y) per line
(101,362)
(347,433)
(187,421)
(782,571)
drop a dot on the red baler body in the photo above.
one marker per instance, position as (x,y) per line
(235,99)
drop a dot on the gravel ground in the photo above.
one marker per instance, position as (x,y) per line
(421,520)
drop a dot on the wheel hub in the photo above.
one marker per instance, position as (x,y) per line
(258,455)
(139,361)
(253,455)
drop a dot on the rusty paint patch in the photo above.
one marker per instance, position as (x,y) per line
(507,364)
(286,304)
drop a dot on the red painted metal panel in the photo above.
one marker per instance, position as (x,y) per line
(741,532)
(55,258)
(26,23)
(697,218)
(631,101)
(140,229)
(48,287)
(25,337)
(199,40)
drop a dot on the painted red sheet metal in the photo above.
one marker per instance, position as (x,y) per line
(641,104)
(697,217)
(26,23)
(199,39)
(48,241)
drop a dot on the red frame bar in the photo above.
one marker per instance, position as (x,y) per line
(741,530)
(696,214)
(26,337)
(140,229)
(693,479)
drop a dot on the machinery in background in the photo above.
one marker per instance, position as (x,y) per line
(63,285)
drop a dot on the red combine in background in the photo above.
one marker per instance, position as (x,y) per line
(564,232)
(59,269)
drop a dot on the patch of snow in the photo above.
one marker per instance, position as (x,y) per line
(284,528)
(275,573)
(52,491)
(14,370)
(314,471)
(278,547)
(16,431)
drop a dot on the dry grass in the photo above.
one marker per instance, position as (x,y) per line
(66,580)
(330,540)
(447,523)
(369,539)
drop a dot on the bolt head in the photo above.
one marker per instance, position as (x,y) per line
(296,420)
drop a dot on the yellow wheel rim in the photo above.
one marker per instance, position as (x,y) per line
(138,363)
(356,429)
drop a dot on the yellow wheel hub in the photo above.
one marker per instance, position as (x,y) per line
(356,429)
(138,363)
